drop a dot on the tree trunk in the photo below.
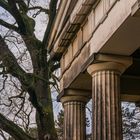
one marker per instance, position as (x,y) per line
(44,116)
(45,120)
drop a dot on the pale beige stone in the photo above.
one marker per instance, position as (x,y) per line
(108,34)
(112,1)
(80,39)
(106,100)
(75,47)
(106,5)
(74,103)
(91,20)
(86,32)
(99,12)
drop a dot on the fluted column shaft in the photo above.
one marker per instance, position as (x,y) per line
(74,121)
(106,106)
(106,100)
(74,118)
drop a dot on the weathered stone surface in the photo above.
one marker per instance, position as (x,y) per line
(74,115)
(106,101)
(102,34)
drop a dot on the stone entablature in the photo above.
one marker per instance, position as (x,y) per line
(80,14)
(96,41)
(91,24)
(95,32)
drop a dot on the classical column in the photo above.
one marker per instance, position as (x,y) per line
(74,117)
(106,100)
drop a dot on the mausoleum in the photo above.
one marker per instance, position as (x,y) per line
(98,44)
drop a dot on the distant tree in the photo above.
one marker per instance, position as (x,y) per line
(60,124)
(131,121)
(19,44)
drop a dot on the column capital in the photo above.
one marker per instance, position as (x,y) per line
(69,95)
(110,62)
(75,95)
(74,98)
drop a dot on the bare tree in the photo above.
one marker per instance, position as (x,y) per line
(131,121)
(16,29)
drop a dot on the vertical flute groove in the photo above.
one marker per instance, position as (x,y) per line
(106,105)
(74,120)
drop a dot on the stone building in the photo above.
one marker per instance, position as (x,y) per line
(97,42)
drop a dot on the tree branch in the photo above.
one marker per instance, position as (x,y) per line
(2,134)
(9,60)
(3,86)
(18,17)
(12,67)
(41,9)
(9,26)
(55,67)
(5,5)
(22,5)
(12,129)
